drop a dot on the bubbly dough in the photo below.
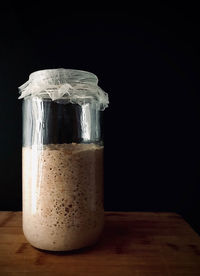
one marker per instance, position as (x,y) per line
(63,195)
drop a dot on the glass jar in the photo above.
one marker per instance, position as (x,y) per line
(62,159)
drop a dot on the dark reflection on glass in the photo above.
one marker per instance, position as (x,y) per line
(56,122)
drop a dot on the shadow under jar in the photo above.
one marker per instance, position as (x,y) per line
(62,159)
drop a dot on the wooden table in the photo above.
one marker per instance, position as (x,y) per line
(138,244)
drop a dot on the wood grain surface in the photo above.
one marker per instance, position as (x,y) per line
(139,244)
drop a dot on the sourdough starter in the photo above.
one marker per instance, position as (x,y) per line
(63,195)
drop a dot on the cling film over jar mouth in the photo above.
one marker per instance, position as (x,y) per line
(75,86)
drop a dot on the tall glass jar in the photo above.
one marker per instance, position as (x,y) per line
(62,159)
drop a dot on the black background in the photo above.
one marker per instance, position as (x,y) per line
(147,59)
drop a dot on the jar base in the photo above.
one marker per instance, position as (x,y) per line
(69,242)
(72,249)
(68,251)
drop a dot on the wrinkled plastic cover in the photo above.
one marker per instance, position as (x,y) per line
(73,85)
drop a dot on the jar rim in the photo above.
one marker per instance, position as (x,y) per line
(71,75)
